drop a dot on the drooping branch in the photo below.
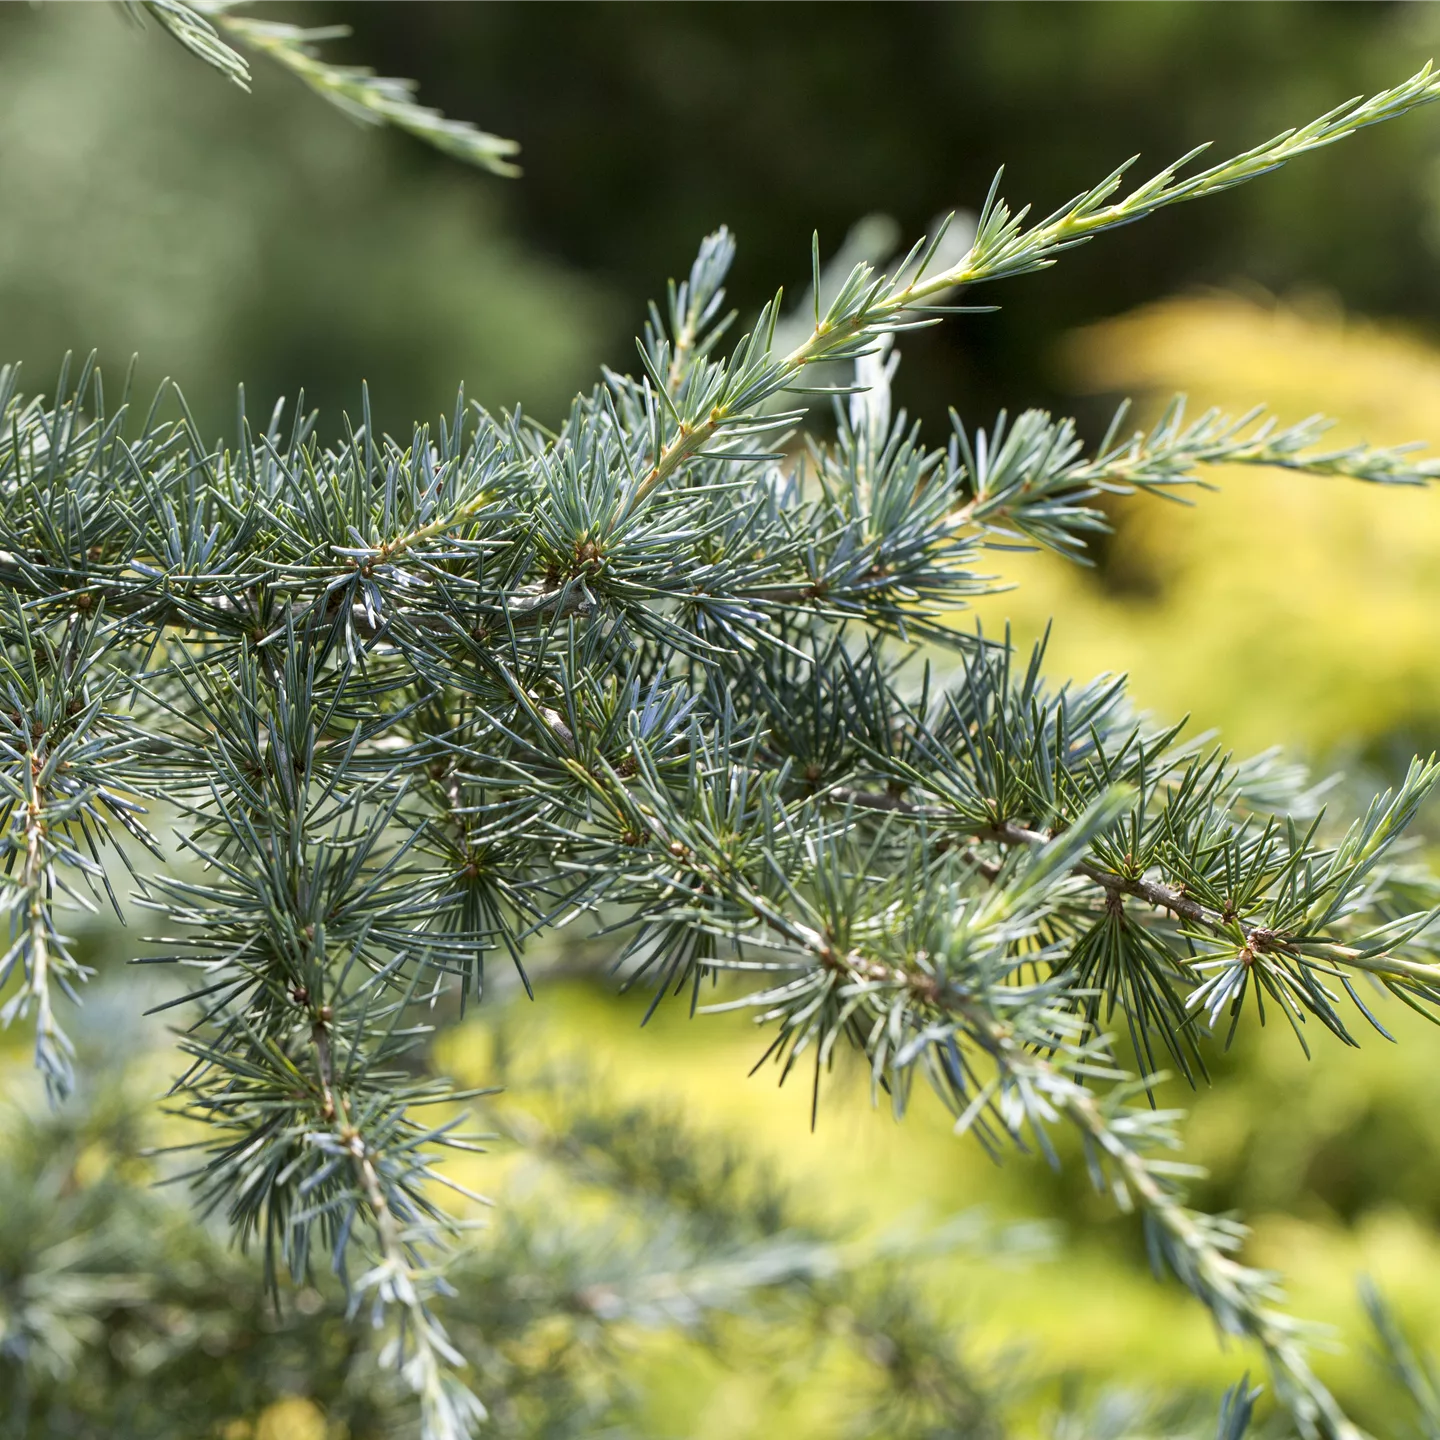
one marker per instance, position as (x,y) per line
(1031,1088)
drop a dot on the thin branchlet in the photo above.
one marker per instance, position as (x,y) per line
(204,28)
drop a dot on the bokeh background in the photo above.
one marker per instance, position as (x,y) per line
(150,208)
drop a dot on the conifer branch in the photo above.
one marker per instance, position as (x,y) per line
(412,700)
(926,1008)
(192,28)
(1255,941)
(359,92)
(726,402)
(199,25)
(1031,481)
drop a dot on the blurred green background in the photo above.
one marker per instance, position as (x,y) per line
(149,207)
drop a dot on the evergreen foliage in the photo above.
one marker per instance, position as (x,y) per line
(204,28)
(407,702)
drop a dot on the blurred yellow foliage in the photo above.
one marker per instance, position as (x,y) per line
(1285,608)
(1098,1314)
(292,1419)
